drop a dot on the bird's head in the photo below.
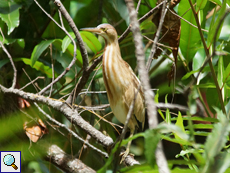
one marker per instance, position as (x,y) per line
(107,31)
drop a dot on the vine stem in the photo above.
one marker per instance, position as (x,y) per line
(210,60)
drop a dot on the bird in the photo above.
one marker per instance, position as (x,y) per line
(120,81)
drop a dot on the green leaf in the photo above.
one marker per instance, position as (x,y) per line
(220,75)
(189,74)
(217,138)
(38,50)
(213,28)
(221,163)
(227,74)
(91,41)
(121,8)
(201,126)
(195,152)
(152,138)
(166,128)
(190,38)
(216,2)
(66,41)
(3,62)
(9,13)
(179,123)
(201,4)
(38,66)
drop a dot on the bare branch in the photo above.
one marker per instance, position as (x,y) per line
(76,32)
(12,63)
(153,50)
(70,114)
(66,162)
(74,55)
(70,131)
(149,95)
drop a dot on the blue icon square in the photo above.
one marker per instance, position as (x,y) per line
(10,161)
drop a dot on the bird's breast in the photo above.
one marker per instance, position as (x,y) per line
(114,73)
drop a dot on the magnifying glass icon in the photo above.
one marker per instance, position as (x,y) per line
(9,160)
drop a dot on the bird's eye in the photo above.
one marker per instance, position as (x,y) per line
(104,29)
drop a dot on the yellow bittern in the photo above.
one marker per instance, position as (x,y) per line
(120,81)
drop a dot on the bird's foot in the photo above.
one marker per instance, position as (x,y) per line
(124,154)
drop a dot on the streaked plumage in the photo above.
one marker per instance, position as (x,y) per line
(120,81)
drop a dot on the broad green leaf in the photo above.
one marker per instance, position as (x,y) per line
(38,66)
(198,60)
(68,52)
(201,4)
(91,41)
(216,2)
(3,62)
(190,38)
(152,138)
(66,41)
(228,2)
(38,50)
(213,28)
(9,13)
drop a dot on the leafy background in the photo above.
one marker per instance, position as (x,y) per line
(192,143)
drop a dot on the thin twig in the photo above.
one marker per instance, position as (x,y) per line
(70,131)
(159,44)
(12,63)
(186,20)
(76,32)
(143,18)
(153,49)
(36,88)
(90,83)
(74,55)
(149,95)
(210,59)
(39,77)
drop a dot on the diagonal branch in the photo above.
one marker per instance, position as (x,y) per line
(65,162)
(210,59)
(71,115)
(74,56)
(70,131)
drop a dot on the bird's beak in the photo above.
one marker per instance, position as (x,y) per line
(94,30)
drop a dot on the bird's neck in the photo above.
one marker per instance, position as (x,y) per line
(112,50)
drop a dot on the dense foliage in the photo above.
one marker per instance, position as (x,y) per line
(196,77)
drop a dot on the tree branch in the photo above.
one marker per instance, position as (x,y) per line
(65,162)
(12,63)
(149,95)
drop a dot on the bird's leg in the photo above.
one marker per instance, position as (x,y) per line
(125,154)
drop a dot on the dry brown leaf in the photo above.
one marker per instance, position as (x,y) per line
(35,132)
(170,33)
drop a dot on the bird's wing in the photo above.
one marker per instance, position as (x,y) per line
(139,108)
